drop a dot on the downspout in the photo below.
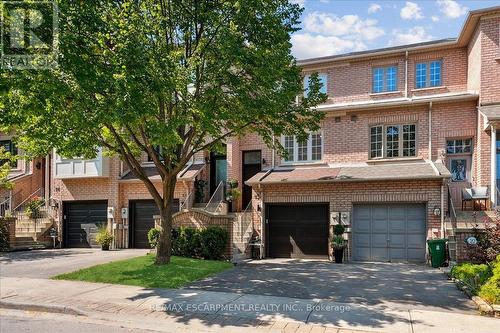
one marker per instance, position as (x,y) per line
(406,74)
(273,159)
(493,166)
(47,178)
(430,131)
(442,210)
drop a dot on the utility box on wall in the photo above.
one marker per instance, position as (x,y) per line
(111,212)
(124,213)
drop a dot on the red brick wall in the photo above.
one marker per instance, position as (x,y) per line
(352,81)
(117,193)
(25,185)
(342,195)
(490,60)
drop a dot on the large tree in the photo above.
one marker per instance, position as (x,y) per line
(181,75)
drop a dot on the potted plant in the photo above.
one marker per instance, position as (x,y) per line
(33,207)
(104,238)
(338,243)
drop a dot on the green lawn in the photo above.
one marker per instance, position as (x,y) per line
(141,271)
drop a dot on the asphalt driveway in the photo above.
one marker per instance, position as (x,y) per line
(47,263)
(389,285)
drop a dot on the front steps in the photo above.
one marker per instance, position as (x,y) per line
(30,234)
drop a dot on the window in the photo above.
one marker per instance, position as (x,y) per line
(288,145)
(159,151)
(323,78)
(376,142)
(384,79)
(10,147)
(428,74)
(459,146)
(391,141)
(310,150)
(409,141)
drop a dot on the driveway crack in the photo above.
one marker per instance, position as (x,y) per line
(312,309)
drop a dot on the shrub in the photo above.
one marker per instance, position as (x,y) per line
(104,237)
(488,243)
(33,207)
(338,229)
(490,291)
(213,242)
(208,243)
(153,236)
(472,275)
(338,242)
(186,242)
(4,235)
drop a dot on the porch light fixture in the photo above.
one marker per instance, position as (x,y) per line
(437,211)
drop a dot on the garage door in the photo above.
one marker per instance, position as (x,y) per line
(81,222)
(389,232)
(297,231)
(141,221)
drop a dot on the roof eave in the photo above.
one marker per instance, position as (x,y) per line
(338,180)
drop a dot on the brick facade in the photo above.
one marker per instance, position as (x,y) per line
(470,74)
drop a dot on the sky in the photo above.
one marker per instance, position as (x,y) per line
(331,27)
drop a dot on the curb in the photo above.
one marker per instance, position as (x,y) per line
(69,310)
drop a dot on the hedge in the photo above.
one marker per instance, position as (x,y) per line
(208,243)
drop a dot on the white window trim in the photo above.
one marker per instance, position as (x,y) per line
(384,142)
(428,74)
(309,150)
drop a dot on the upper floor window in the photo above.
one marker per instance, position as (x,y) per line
(459,146)
(384,79)
(428,74)
(323,78)
(391,141)
(11,148)
(310,150)
(158,151)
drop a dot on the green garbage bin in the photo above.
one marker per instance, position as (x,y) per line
(437,249)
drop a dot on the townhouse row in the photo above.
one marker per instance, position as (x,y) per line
(406,129)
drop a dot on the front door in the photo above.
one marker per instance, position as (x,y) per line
(218,170)
(251,166)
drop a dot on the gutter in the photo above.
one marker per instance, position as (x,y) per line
(397,102)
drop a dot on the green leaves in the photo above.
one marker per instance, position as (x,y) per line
(180,74)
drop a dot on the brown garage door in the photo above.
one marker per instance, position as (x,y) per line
(297,231)
(141,221)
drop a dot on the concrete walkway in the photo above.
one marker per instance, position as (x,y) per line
(231,310)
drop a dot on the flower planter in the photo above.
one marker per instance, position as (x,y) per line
(339,255)
(105,247)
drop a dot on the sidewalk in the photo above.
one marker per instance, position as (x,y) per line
(215,311)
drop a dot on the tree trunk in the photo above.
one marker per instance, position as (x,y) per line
(164,249)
